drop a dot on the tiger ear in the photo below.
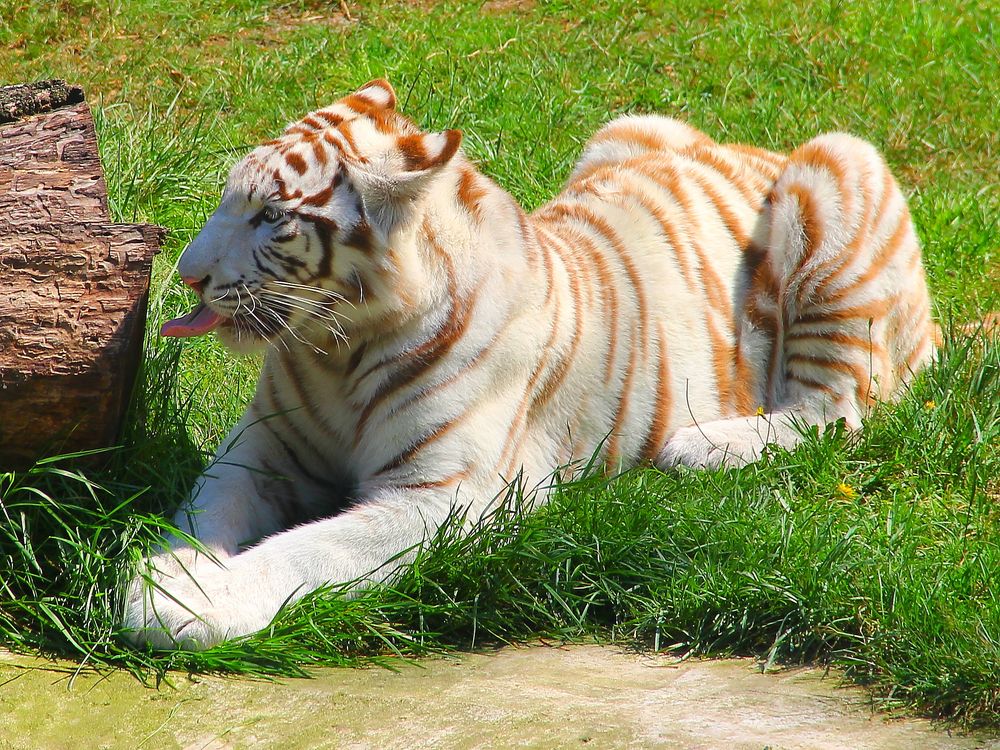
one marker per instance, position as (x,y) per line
(428,152)
(419,158)
(378,94)
(374,96)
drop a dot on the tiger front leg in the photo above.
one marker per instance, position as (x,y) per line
(195,601)
(244,592)
(233,503)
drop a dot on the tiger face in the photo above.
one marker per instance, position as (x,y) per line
(303,247)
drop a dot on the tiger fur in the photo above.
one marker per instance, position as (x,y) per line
(680,302)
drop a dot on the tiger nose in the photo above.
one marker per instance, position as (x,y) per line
(197,284)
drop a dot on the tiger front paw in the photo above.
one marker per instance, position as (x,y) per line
(189,602)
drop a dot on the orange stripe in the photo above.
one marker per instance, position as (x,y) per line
(722,207)
(743,390)
(319,153)
(769,163)
(279,414)
(434,484)
(528,238)
(362,105)
(770,323)
(414,448)
(508,453)
(319,199)
(711,284)
(836,337)
(917,354)
(867,311)
(811,225)
(588,217)
(814,384)
(509,446)
(818,157)
(847,256)
(473,361)
(656,436)
(471,193)
(331,118)
(302,392)
(551,383)
(423,358)
(605,229)
(644,136)
(725,356)
(862,378)
(609,295)
(296,162)
(877,264)
(626,188)
(714,159)
(585,215)
(345,132)
(723,362)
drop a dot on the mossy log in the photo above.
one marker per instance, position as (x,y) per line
(74,285)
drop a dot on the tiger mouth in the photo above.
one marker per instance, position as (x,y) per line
(201,320)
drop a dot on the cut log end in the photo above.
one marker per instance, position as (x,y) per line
(26,99)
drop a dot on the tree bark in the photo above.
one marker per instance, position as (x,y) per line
(73,286)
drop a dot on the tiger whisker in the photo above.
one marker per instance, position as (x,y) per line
(245,318)
(361,288)
(308,287)
(299,285)
(321,307)
(240,318)
(328,322)
(284,324)
(328,293)
(281,320)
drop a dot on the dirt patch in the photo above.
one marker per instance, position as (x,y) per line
(508,6)
(534,697)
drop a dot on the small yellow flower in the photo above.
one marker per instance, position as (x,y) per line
(760,411)
(846,491)
(928,405)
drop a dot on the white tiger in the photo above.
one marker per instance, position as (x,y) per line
(680,302)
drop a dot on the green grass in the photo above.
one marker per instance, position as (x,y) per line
(896,584)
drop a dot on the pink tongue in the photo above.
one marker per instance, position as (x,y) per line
(198,321)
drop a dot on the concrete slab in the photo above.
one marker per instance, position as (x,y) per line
(532,697)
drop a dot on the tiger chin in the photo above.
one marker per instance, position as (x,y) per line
(680,302)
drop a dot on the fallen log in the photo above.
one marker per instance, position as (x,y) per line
(73,286)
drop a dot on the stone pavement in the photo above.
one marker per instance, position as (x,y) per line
(532,697)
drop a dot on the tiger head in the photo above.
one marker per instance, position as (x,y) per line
(313,235)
